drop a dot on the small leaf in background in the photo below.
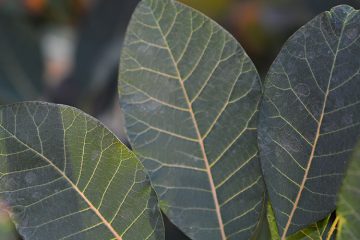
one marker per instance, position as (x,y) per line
(272,223)
(190,95)
(310,118)
(349,198)
(21,67)
(7,231)
(263,231)
(316,231)
(65,176)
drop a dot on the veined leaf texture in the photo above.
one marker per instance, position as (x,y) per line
(190,96)
(63,175)
(310,118)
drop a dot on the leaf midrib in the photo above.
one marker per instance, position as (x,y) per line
(196,127)
(316,139)
(82,195)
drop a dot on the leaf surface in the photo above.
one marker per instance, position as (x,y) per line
(310,118)
(190,96)
(349,198)
(63,175)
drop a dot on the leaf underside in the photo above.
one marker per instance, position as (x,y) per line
(348,208)
(63,175)
(310,118)
(21,67)
(190,96)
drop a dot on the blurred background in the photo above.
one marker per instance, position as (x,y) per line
(67,51)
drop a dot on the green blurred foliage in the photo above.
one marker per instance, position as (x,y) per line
(6,228)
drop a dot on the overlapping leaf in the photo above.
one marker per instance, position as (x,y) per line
(310,118)
(190,95)
(20,61)
(63,175)
(316,231)
(349,199)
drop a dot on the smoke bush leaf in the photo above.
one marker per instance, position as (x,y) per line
(190,96)
(310,118)
(63,175)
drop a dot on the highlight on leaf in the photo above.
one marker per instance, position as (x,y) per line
(348,207)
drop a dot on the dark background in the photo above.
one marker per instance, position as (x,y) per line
(68,50)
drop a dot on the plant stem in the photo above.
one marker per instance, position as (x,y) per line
(333,227)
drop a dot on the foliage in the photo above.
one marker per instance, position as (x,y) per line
(228,158)
(79,182)
(198,87)
(310,117)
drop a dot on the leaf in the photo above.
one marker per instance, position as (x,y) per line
(65,176)
(272,223)
(21,67)
(310,118)
(7,230)
(263,231)
(316,231)
(348,207)
(190,96)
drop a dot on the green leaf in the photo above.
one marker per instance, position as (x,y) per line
(316,231)
(272,223)
(263,231)
(348,206)
(21,68)
(310,118)
(63,175)
(190,96)
(7,230)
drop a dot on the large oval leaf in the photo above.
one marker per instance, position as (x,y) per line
(190,95)
(21,69)
(349,201)
(65,176)
(310,118)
